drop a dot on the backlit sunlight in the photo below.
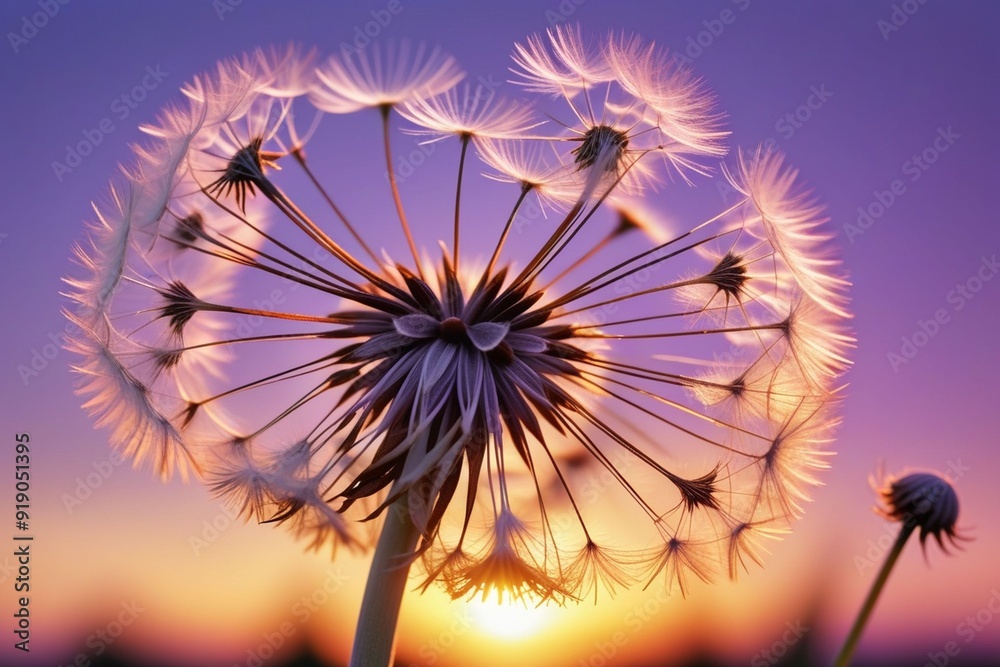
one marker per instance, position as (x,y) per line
(508,619)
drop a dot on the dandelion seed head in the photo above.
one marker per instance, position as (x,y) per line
(231,330)
(787,218)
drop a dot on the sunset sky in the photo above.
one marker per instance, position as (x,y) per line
(888,109)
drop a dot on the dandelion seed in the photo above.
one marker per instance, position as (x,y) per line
(745,543)
(595,568)
(476,114)
(678,559)
(376,77)
(635,105)
(567,70)
(288,72)
(525,164)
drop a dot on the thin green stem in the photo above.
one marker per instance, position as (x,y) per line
(844,658)
(375,638)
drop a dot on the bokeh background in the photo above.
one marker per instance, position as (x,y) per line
(126,570)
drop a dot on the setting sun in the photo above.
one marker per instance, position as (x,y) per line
(508,619)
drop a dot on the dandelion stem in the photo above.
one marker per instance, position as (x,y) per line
(458,196)
(590,254)
(300,158)
(844,658)
(395,190)
(529,271)
(585,287)
(305,223)
(375,638)
(525,189)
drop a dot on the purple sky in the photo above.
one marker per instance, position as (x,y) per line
(893,126)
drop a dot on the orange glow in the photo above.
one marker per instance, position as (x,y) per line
(508,619)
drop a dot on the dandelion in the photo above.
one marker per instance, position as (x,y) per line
(922,500)
(231,330)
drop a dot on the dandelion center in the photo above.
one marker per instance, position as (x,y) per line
(453,330)
(602,145)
